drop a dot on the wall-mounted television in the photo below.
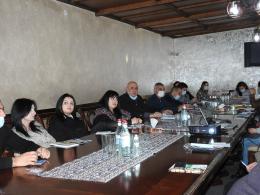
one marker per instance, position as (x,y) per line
(252,54)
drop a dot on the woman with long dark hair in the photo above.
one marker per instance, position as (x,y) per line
(27,134)
(65,124)
(242,91)
(106,117)
(203,93)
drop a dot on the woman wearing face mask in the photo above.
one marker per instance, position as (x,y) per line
(242,91)
(28,158)
(27,134)
(203,93)
(106,116)
(65,124)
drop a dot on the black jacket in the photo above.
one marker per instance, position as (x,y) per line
(172,104)
(68,128)
(4,135)
(136,108)
(156,104)
(17,144)
(103,123)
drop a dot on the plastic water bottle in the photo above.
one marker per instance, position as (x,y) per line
(125,140)
(118,131)
(185,117)
(136,145)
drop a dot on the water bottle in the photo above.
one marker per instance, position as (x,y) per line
(136,145)
(125,140)
(185,117)
(118,131)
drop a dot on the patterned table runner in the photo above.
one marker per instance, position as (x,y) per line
(102,167)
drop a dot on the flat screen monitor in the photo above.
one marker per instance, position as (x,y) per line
(252,54)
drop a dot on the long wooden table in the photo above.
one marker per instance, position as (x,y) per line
(149,177)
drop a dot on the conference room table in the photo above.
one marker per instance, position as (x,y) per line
(151,176)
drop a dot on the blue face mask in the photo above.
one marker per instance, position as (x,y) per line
(2,121)
(177,97)
(183,92)
(133,97)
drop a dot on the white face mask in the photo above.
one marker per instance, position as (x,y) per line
(183,92)
(242,90)
(133,97)
(161,94)
(177,97)
(206,87)
(2,121)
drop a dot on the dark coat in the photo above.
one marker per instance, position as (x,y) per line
(156,104)
(67,128)
(136,108)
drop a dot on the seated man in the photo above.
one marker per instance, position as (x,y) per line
(28,158)
(134,103)
(172,100)
(186,96)
(156,103)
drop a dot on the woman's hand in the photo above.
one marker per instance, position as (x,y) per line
(28,158)
(43,153)
(251,166)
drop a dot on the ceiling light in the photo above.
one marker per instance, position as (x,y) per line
(234,9)
(257,7)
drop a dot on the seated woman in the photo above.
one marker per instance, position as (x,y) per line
(28,158)
(242,91)
(27,134)
(203,93)
(65,124)
(106,117)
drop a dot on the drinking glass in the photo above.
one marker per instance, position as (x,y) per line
(108,143)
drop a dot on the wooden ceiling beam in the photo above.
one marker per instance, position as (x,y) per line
(214,28)
(150,14)
(186,15)
(170,20)
(132,6)
(195,5)
(75,1)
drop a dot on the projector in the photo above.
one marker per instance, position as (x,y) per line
(206,130)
